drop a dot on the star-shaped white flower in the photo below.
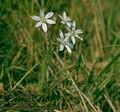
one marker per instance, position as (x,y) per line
(43,20)
(64,43)
(65,19)
(73,32)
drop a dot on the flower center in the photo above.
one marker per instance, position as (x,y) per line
(43,20)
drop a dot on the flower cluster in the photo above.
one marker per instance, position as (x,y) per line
(66,40)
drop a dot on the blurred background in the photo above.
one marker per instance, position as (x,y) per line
(93,67)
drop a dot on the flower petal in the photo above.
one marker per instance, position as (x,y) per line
(61,47)
(49,21)
(73,39)
(67,34)
(66,38)
(42,13)
(63,22)
(60,40)
(36,18)
(70,45)
(61,35)
(44,27)
(68,28)
(79,37)
(48,15)
(68,48)
(69,24)
(79,31)
(64,15)
(73,25)
(60,17)
(38,24)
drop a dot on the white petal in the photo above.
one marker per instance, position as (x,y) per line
(68,28)
(60,17)
(79,37)
(74,25)
(79,31)
(68,48)
(36,18)
(49,21)
(64,15)
(42,13)
(69,24)
(60,40)
(66,38)
(61,35)
(61,47)
(44,27)
(38,24)
(63,22)
(70,45)
(48,15)
(73,39)
(67,34)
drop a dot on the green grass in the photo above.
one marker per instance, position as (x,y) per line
(38,78)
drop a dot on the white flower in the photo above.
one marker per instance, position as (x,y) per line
(43,20)
(73,32)
(64,43)
(65,19)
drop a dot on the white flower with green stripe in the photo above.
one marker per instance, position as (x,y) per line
(73,32)
(64,43)
(65,19)
(43,20)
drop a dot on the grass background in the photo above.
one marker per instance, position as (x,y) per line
(40,79)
